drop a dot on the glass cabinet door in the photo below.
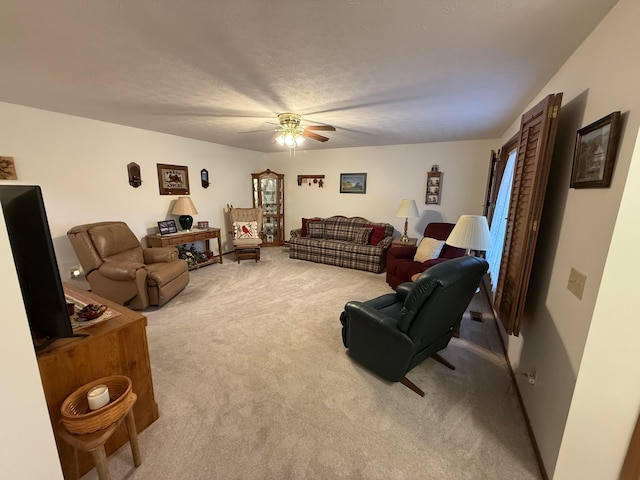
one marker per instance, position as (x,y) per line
(268,193)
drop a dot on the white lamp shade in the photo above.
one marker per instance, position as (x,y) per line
(184,206)
(471,232)
(407,209)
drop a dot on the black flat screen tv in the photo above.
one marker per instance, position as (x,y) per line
(35,261)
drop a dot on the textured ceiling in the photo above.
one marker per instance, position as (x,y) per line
(381,71)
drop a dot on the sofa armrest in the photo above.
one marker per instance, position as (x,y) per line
(407,252)
(159,254)
(120,271)
(386,242)
(296,233)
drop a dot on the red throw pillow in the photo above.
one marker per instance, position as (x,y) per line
(377,235)
(303,233)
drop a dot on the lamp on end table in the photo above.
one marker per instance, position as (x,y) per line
(471,233)
(185,208)
(407,209)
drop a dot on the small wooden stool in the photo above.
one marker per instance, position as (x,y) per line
(243,253)
(94,443)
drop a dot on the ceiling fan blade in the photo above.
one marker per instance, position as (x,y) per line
(263,130)
(315,136)
(321,127)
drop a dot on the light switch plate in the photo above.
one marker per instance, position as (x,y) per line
(576,282)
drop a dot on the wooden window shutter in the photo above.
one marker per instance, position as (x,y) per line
(535,146)
(493,184)
(498,162)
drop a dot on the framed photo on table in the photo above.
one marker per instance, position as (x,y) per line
(168,226)
(595,153)
(173,179)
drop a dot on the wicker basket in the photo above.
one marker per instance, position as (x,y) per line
(76,416)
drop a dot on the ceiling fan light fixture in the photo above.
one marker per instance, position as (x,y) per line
(291,132)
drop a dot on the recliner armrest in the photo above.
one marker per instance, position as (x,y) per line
(120,271)
(374,341)
(361,310)
(159,254)
(403,290)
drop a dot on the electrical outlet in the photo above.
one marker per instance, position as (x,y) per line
(576,282)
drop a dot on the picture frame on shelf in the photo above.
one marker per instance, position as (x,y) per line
(167,227)
(353,183)
(595,153)
(173,179)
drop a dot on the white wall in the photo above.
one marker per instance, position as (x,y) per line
(393,173)
(576,231)
(606,402)
(27,446)
(81,166)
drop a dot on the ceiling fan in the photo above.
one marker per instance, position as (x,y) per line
(292,134)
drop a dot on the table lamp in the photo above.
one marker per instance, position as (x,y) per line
(471,233)
(407,209)
(185,208)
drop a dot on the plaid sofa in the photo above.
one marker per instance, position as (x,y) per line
(344,242)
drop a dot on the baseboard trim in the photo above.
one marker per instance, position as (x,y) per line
(532,437)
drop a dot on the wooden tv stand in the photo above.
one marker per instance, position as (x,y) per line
(117,346)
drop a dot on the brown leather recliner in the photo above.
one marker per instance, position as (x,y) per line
(119,269)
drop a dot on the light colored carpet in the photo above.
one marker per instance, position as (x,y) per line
(253,382)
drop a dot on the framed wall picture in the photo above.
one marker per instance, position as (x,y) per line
(167,226)
(173,179)
(595,153)
(353,183)
(434,187)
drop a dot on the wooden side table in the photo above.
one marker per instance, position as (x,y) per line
(399,243)
(94,444)
(191,236)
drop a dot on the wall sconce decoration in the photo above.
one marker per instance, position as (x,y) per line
(311,179)
(204,177)
(7,169)
(135,180)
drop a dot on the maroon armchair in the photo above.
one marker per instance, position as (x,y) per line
(400,264)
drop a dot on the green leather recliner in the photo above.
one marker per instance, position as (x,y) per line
(393,333)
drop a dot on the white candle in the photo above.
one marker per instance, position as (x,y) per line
(98,397)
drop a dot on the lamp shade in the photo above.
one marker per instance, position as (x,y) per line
(471,232)
(407,209)
(184,206)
